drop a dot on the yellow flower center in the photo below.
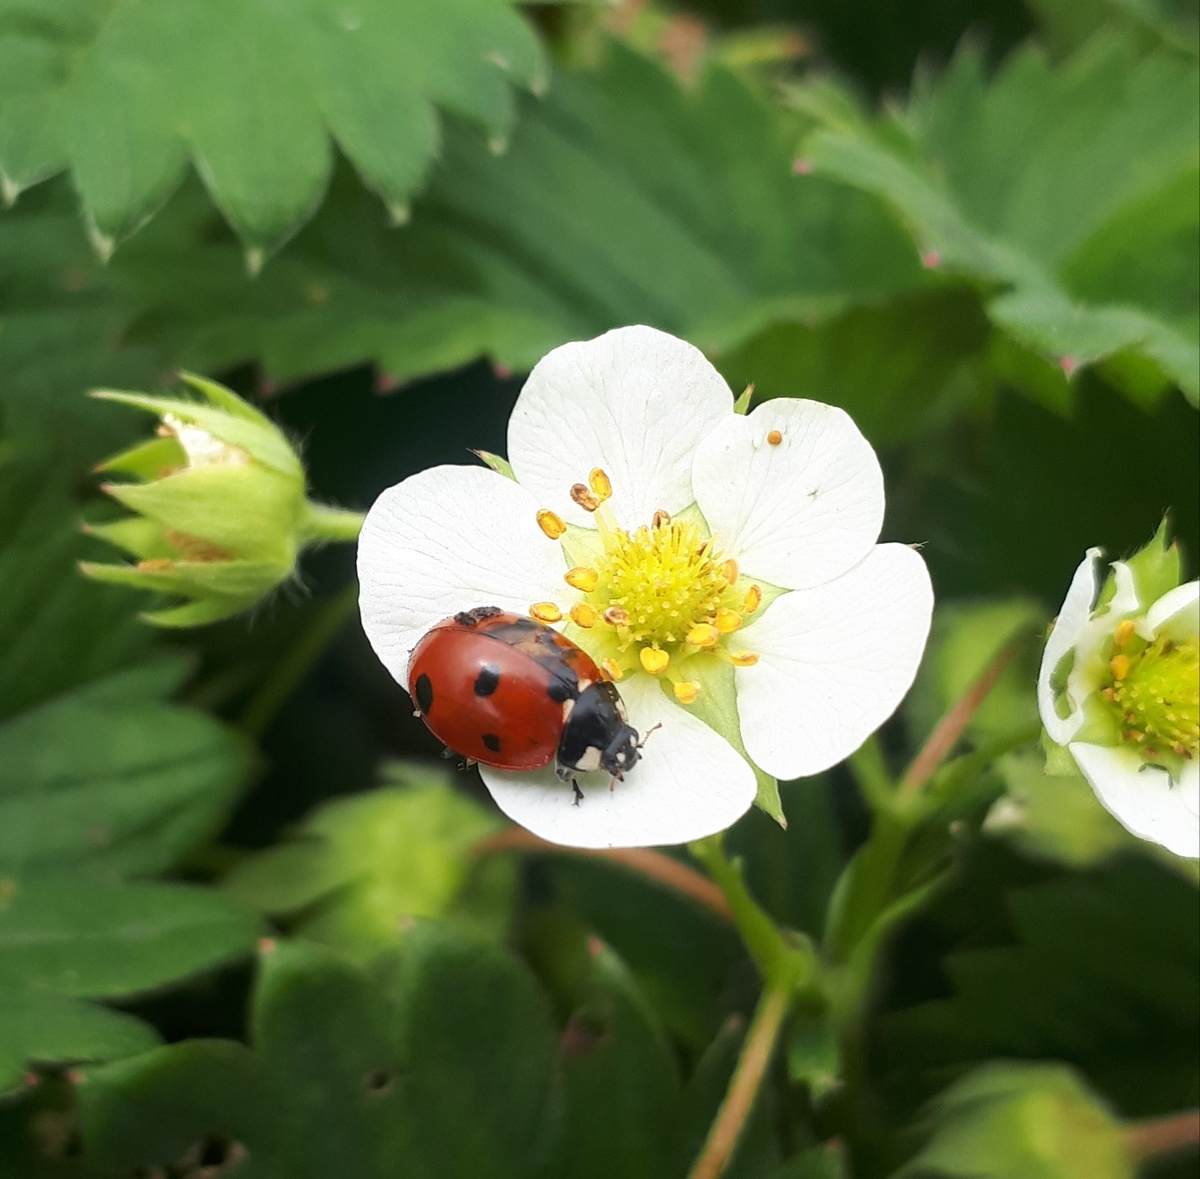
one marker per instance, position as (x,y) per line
(657,595)
(1155,691)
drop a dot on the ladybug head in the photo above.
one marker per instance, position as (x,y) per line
(622,753)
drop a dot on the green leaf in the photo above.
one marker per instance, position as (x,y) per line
(39,1029)
(98,777)
(56,630)
(79,936)
(439,1062)
(256,95)
(1001,182)
(360,867)
(1097,970)
(1014,1121)
(1057,817)
(624,1095)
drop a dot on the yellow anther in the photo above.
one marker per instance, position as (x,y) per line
(612,669)
(660,519)
(742,658)
(653,660)
(731,571)
(728,621)
(1123,633)
(1119,666)
(687,692)
(582,578)
(615,616)
(774,437)
(600,484)
(703,634)
(752,600)
(585,497)
(583,615)
(551,523)
(545,612)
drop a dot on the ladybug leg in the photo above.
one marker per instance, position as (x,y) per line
(577,792)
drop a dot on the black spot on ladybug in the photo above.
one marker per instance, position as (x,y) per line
(492,742)
(424,690)
(488,680)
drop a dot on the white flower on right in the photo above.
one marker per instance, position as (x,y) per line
(1119,688)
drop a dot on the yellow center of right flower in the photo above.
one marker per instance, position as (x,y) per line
(1155,691)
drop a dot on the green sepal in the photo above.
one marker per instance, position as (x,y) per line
(717,707)
(199,613)
(742,404)
(256,435)
(151,459)
(500,465)
(248,510)
(139,537)
(1157,568)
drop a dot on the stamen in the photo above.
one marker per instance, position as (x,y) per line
(752,600)
(728,621)
(774,437)
(551,524)
(653,660)
(600,484)
(737,658)
(1123,633)
(731,571)
(687,692)
(612,669)
(1119,666)
(585,497)
(545,612)
(583,615)
(582,578)
(660,519)
(703,635)
(615,616)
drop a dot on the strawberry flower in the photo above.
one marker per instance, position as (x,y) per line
(721,568)
(1118,692)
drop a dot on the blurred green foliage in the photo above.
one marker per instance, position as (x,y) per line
(993,269)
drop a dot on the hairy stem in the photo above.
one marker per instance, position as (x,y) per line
(950,728)
(650,864)
(333,524)
(745,1083)
(1160,1136)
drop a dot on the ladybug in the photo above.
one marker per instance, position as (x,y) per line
(511,692)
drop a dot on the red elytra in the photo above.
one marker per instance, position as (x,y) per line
(511,692)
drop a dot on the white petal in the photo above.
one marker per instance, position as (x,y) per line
(834,662)
(1143,798)
(1178,611)
(445,540)
(1068,627)
(690,783)
(799,513)
(634,402)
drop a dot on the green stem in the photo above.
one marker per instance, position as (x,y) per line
(773,954)
(295,665)
(751,1068)
(323,523)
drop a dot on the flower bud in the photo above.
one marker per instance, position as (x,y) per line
(1013,1119)
(220,511)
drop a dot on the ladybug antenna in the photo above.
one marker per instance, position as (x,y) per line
(642,743)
